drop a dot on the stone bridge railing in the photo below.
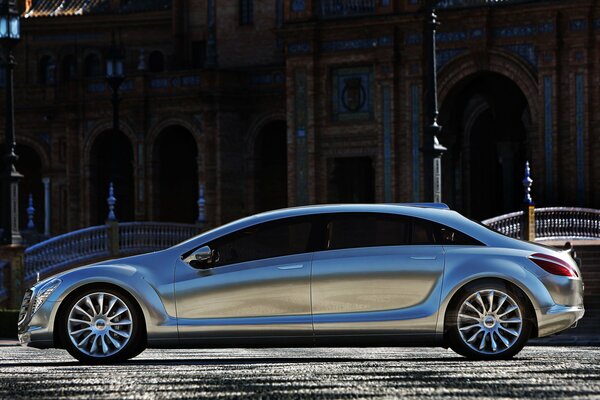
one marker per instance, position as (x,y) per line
(101,242)
(552,223)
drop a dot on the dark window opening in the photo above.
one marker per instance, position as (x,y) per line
(156,62)
(47,70)
(246,12)
(68,68)
(198,54)
(350,180)
(91,66)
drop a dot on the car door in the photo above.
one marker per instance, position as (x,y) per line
(257,286)
(378,274)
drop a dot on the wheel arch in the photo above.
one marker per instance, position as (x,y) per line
(449,300)
(58,337)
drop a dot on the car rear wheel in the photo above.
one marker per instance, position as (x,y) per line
(101,326)
(489,321)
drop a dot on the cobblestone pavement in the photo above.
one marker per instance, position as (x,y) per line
(538,372)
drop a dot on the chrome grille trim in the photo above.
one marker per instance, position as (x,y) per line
(25,307)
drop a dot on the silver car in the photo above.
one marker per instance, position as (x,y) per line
(331,275)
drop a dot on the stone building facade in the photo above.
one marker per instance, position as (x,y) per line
(263,104)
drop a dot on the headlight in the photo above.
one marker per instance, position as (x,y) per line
(43,293)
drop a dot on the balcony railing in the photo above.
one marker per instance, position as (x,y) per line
(346,8)
(94,243)
(445,4)
(552,223)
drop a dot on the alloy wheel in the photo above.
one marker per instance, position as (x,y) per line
(489,321)
(100,324)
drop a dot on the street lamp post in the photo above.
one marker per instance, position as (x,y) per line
(9,37)
(115,77)
(432,149)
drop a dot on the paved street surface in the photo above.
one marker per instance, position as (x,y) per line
(539,371)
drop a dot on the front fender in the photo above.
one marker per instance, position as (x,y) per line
(160,324)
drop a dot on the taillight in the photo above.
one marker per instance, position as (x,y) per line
(553,265)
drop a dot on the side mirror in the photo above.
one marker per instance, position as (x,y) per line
(202,258)
(203,254)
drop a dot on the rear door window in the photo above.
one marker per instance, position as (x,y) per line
(353,230)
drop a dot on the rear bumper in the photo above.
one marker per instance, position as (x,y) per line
(558,318)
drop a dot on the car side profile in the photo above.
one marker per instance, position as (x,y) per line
(328,275)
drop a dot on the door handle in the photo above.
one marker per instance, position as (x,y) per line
(296,266)
(423,257)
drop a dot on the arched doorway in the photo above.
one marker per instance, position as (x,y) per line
(485,120)
(270,167)
(111,160)
(29,165)
(175,176)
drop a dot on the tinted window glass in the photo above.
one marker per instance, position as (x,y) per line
(427,232)
(273,239)
(366,230)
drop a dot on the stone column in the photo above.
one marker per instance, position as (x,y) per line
(46,182)
(13,254)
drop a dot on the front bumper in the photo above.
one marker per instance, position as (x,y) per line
(36,330)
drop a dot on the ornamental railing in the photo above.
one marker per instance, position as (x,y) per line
(101,242)
(346,8)
(444,4)
(552,223)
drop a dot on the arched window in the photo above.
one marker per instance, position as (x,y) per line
(47,70)
(91,66)
(156,62)
(68,68)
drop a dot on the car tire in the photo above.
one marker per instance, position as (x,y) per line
(101,325)
(489,320)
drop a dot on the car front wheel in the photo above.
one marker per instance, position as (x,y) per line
(489,321)
(101,326)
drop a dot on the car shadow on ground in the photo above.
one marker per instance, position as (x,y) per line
(245,361)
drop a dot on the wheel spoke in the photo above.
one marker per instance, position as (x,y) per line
(466,328)
(494,345)
(482,344)
(81,310)
(120,333)
(503,339)
(491,300)
(89,303)
(85,339)
(472,338)
(500,303)
(121,322)
(104,345)
(100,299)
(80,321)
(480,300)
(94,345)
(114,342)
(111,303)
(77,332)
(468,316)
(118,312)
(511,331)
(471,306)
(510,321)
(508,310)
